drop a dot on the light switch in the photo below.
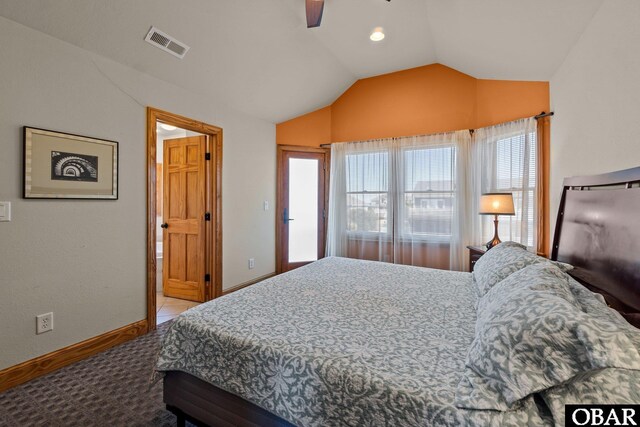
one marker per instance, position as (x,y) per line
(266,205)
(5,211)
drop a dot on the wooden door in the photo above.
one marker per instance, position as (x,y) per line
(184,204)
(301,206)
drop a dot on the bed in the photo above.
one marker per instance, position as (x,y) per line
(351,342)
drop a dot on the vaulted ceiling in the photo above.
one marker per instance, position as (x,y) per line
(258,57)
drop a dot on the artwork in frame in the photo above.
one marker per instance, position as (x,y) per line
(64,166)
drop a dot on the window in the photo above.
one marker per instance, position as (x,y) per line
(515,172)
(414,200)
(368,192)
(429,192)
(397,200)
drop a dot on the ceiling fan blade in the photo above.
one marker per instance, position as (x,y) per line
(314,12)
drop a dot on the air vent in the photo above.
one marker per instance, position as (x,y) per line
(167,43)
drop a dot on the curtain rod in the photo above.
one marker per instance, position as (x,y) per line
(543,114)
(471,131)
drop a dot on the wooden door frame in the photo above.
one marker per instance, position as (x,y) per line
(281,150)
(213,288)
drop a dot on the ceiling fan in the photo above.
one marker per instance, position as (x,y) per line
(314,12)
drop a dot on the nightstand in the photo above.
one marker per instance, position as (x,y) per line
(475,252)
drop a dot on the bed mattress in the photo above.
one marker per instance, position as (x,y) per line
(341,342)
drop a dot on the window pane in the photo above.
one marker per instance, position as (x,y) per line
(367,172)
(516,173)
(512,227)
(428,214)
(303,208)
(367,212)
(533,161)
(511,163)
(430,169)
(429,191)
(367,187)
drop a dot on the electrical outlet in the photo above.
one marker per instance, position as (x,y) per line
(44,323)
(252,263)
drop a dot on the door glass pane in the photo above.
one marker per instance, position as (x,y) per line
(303,209)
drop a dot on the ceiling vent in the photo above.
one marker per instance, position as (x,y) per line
(167,43)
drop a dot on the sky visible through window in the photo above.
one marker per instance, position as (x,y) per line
(369,172)
(433,167)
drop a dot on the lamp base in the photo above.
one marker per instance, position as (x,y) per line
(496,240)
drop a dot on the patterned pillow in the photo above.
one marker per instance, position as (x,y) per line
(501,261)
(541,276)
(532,334)
(607,386)
(498,263)
(594,305)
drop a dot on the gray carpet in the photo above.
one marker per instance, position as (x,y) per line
(108,389)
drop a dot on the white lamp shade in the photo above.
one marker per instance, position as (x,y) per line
(497,204)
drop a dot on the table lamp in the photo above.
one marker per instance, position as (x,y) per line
(496,204)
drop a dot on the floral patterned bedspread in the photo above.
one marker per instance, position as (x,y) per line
(342,342)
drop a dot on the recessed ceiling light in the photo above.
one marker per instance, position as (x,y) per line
(167,127)
(377,34)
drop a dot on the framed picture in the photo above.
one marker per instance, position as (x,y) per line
(65,166)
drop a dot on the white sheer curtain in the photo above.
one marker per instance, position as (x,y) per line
(401,200)
(504,159)
(359,222)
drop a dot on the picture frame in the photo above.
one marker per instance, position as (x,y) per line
(61,165)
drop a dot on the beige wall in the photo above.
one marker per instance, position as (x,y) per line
(596,97)
(85,260)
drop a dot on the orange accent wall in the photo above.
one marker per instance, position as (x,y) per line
(310,130)
(429,99)
(418,101)
(500,101)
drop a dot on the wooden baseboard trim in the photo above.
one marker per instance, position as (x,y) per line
(23,372)
(249,283)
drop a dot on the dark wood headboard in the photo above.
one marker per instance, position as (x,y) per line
(598,232)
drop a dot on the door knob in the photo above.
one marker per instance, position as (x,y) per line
(285,217)
(165,225)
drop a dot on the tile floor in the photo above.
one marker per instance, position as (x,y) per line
(168,308)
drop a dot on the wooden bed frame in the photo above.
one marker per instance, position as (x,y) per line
(204,404)
(597,231)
